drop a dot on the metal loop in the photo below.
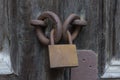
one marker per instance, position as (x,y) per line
(58,29)
(73,19)
(37,23)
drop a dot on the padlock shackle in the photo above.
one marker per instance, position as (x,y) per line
(69,37)
(52,37)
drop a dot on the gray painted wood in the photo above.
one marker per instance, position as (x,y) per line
(111,33)
(117,28)
(29,58)
(5,64)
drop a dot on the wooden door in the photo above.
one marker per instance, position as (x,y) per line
(22,57)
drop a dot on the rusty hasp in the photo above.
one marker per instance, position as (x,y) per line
(87,69)
(75,21)
(62,55)
(41,22)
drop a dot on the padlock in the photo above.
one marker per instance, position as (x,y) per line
(62,55)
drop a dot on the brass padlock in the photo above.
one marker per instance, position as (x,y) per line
(62,55)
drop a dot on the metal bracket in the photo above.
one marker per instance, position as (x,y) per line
(87,69)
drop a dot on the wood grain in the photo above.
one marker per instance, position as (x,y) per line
(30,58)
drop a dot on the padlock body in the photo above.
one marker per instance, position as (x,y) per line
(63,56)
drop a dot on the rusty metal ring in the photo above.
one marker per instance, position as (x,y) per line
(58,29)
(75,20)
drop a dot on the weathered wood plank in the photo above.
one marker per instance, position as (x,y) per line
(92,36)
(89,10)
(111,25)
(29,57)
(5,64)
(117,28)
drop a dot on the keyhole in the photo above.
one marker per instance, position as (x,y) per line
(83,60)
(90,66)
